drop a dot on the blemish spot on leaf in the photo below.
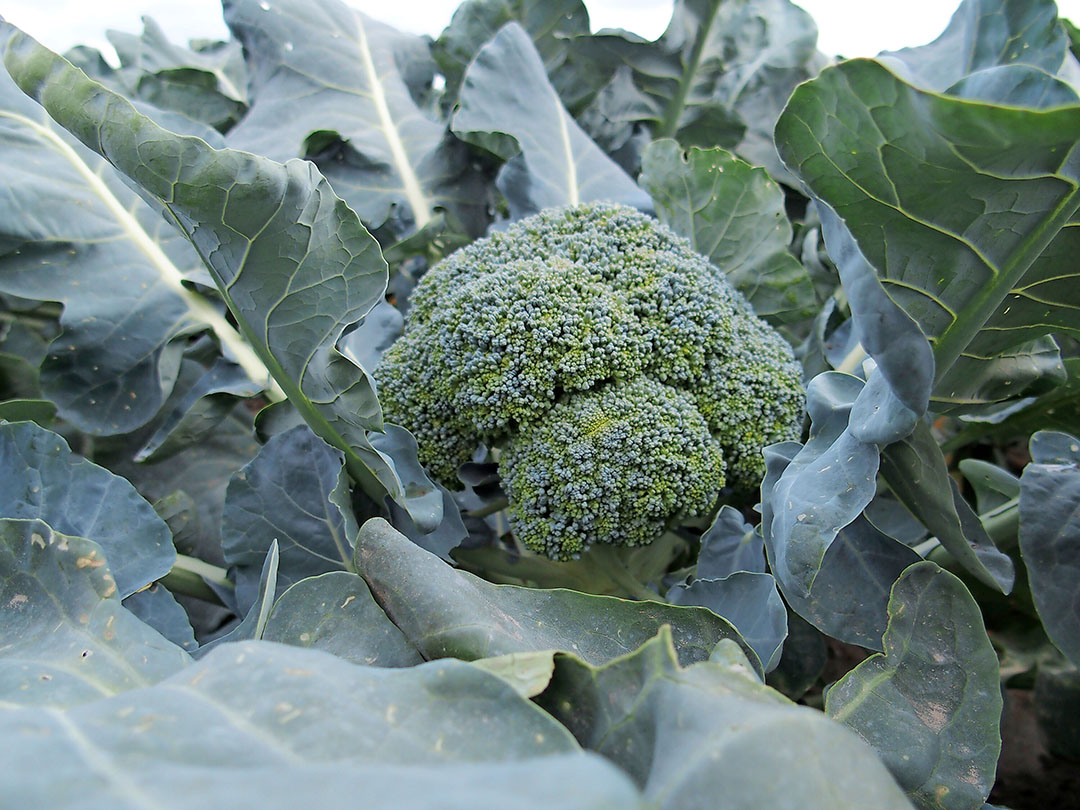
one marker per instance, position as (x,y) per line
(18,600)
(932,715)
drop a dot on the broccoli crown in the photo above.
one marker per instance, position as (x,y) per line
(624,379)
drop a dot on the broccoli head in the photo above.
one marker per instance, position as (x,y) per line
(622,379)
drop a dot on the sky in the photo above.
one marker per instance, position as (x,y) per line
(847,27)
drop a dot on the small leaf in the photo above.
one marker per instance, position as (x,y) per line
(283,495)
(44,479)
(915,469)
(730,544)
(158,608)
(336,613)
(1050,536)
(528,672)
(750,601)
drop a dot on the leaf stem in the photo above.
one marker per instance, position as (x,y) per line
(609,562)
(491,508)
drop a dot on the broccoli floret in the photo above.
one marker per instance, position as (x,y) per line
(616,370)
(568,487)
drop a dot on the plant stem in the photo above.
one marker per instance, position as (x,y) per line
(608,561)
(496,505)
(189,576)
(211,573)
(190,584)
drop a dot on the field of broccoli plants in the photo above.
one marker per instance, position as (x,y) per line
(541,418)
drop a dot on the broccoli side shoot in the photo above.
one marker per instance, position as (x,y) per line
(623,379)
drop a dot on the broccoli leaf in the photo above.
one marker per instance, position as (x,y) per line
(284,495)
(292,260)
(333,85)
(509,107)
(446,612)
(75,234)
(270,721)
(43,479)
(732,213)
(688,736)
(931,704)
(718,76)
(961,219)
(66,639)
(1050,536)
(549,24)
(985,34)
(336,613)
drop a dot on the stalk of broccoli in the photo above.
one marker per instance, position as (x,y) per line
(625,381)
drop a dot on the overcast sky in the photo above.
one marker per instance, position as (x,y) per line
(848,27)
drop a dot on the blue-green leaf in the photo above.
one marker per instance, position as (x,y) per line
(1050,535)
(931,704)
(65,638)
(509,107)
(43,479)
(712,735)
(292,260)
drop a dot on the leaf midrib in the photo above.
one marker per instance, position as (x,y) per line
(411,184)
(198,307)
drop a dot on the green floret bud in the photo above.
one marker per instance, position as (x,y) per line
(751,396)
(616,369)
(614,466)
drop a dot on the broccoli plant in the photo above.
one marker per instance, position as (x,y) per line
(620,377)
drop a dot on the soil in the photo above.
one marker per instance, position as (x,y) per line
(1029,777)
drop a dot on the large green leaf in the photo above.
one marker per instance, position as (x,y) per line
(336,613)
(283,495)
(446,612)
(718,76)
(73,233)
(711,735)
(43,479)
(65,638)
(1050,535)
(548,23)
(961,216)
(208,84)
(332,84)
(287,728)
(293,261)
(509,107)
(733,214)
(984,34)
(931,704)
